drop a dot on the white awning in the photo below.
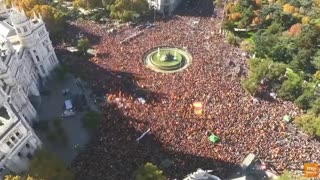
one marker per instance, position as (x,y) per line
(68,104)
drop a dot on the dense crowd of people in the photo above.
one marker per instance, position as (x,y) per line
(243,124)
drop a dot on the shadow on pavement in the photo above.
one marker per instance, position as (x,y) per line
(195,8)
(114,153)
(104,81)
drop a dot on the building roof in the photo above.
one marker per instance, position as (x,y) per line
(18,17)
(6,30)
(68,104)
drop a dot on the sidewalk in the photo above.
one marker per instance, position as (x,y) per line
(52,107)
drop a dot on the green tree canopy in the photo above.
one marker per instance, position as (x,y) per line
(127,10)
(55,20)
(83,45)
(292,87)
(107,3)
(149,172)
(45,165)
(87,4)
(310,123)
(307,98)
(17,177)
(262,69)
(290,176)
(316,60)
(91,120)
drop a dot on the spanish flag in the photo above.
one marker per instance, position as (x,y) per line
(197,107)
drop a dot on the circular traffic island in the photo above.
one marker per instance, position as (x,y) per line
(167,59)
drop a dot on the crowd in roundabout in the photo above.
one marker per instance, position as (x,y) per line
(176,134)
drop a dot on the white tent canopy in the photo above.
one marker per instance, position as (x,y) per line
(68,104)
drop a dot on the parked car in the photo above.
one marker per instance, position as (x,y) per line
(68,109)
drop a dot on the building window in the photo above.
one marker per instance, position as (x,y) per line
(18,134)
(27,145)
(4,84)
(26,118)
(14,139)
(37,57)
(25,29)
(42,69)
(48,49)
(29,156)
(4,113)
(51,58)
(41,33)
(9,144)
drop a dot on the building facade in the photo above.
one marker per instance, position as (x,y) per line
(165,7)
(26,60)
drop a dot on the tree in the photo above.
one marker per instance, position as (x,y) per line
(251,85)
(269,13)
(121,10)
(218,3)
(91,120)
(301,60)
(107,4)
(283,49)
(26,5)
(307,98)
(127,10)
(45,165)
(288,9)
(290,175)
(262,69)
(295,29)
(316,107)
(55,20)
(149,172)
(140,6)
(16,177)
(264,40)
(61,72)
(291,88)
(310,123)
(316,60)
(83,45)
(87,4)
(309,38)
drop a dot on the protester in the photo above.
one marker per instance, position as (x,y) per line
(242,125)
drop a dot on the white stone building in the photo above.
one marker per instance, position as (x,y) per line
(164,6)
(26,60)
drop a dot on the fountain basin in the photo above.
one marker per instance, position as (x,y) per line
(167,59)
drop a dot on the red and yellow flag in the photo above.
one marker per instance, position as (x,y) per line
(197,107)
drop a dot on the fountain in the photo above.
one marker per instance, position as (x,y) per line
(167,59)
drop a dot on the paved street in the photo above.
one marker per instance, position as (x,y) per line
(52,107)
